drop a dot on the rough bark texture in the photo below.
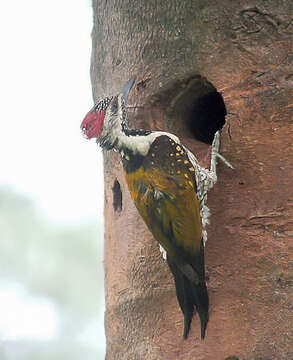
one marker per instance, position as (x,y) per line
(244,49)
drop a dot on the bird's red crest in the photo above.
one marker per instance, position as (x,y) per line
(92,124)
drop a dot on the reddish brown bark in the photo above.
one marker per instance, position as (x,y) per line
(245,51)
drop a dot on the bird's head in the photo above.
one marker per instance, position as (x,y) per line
(94,121)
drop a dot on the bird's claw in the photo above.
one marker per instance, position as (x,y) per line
(215,153)
(225,161)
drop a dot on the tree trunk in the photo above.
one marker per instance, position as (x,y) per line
(182,51)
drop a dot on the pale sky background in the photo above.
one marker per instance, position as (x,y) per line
(45,92)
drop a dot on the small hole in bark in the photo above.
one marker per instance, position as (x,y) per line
(194,106)
(117,196)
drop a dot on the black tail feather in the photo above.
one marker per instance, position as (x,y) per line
(201,302)
(190,296)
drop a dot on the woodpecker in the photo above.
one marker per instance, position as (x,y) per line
(169,189)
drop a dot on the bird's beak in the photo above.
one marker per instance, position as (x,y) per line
(126,89)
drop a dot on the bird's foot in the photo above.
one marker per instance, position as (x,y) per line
(225,161)
(215,153)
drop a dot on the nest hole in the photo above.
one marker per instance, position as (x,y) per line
(193,105)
